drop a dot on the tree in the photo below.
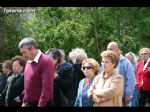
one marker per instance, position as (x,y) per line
(91,28)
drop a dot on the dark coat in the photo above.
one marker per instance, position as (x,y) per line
(15,88)
(77,76)
(64,82)
(3,81)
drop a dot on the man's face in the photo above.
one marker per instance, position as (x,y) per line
(113,48)
(27,53)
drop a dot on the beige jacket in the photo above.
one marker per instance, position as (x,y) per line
(108,91)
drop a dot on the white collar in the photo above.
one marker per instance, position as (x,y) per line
(146,64)
(36,59)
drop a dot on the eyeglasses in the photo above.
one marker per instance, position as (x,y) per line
(143,54)
(87,67)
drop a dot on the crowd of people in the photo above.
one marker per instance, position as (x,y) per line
(47,79)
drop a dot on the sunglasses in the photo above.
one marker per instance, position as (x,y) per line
(87,67)
(144,54)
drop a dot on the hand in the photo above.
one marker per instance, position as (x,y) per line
(17,99)
(127,99)
(95,98)
(23,105)
(55,75)
(102,99)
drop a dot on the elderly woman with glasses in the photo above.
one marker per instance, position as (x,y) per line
(107,87)
(90,69)
(143,76)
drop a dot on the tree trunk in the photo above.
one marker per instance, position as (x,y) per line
(1,45)
(96,31)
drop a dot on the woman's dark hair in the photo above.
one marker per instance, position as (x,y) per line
(55,54)
(21,60)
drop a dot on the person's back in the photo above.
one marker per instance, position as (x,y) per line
(64,81)
(125,68)
(65,70)
(77,76)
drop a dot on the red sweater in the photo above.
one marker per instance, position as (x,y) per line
(142,75)
(39,79)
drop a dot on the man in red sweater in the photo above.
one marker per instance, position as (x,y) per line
(38,75)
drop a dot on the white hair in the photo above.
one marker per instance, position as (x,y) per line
(78,54)
(133,56)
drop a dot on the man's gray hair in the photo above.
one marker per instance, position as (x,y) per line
(28,42)
(113,43)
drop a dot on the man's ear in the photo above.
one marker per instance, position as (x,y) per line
(32,48)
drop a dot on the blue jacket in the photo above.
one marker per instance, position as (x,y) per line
(82,99)
(126,69)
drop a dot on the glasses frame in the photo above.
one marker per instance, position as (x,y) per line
(87,67)
(143,54)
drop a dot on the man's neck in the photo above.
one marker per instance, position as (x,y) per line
(35,53)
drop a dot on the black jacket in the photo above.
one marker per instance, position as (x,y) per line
(3,81)
(64,82)
(77,76)
(15,88)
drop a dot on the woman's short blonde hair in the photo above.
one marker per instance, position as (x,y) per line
(144,49)
(111,55)
(94,64)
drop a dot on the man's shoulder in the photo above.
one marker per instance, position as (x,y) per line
(67,65)
(82,81)
(124,59)
(44,58)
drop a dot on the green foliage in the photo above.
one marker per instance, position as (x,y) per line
(91,28)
